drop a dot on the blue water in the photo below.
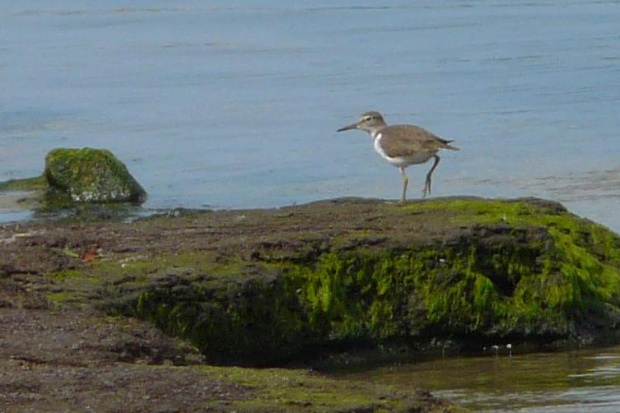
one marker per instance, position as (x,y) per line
(576,381)
(231,106)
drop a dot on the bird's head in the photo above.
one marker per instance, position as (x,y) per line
(370,122)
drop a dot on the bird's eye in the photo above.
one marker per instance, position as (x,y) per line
(367,118)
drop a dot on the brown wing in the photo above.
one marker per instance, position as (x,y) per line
(407,140)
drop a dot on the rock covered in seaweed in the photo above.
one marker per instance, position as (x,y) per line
(91,175)
(265,286)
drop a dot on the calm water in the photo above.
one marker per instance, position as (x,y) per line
(578,381)
(216,105)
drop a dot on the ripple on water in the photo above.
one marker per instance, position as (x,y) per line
(549,382)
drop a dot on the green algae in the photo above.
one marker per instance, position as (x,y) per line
(91,175)
(37,183)
(379,297)
(301,390)
(230,321)
(578,272)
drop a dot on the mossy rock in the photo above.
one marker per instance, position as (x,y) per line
(468,271)
(267,286)
(91,175)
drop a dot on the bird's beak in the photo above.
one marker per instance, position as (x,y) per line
(349,127)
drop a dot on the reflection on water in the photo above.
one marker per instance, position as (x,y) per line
(550,382)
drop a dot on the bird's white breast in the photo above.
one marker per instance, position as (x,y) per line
(398,161)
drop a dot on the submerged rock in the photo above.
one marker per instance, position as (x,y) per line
(37,183)
(91,175)
(22,195)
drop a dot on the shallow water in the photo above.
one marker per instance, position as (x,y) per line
(576,381)
(232,106)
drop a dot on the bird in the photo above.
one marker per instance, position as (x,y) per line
(402,145)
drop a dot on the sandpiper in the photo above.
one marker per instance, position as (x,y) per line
(402,145)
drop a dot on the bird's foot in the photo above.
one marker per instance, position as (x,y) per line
(426,191)
(427,187)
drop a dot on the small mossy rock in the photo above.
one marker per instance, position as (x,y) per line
(91,175)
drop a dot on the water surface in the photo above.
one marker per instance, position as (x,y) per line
(575,381)
(231,106)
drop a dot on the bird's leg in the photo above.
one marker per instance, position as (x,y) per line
(405,182)
(427,184)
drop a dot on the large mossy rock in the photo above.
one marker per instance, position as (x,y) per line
(91,175)
(263,286)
